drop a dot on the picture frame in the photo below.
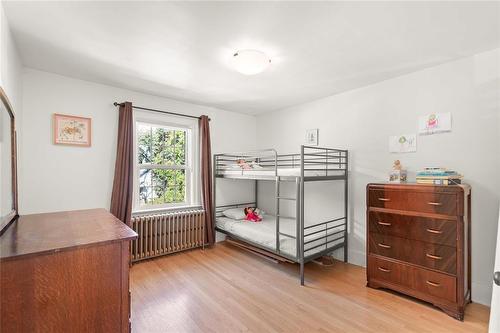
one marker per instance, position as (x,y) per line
(406,143)
(312,137)
(72,130)
(434,123)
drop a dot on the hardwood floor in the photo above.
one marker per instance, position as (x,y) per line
(225,289)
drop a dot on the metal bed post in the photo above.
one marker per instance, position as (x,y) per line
(257,188)
(297,216)
(256,192)
(346,205)
(277,198)
(301,216)
(214,205)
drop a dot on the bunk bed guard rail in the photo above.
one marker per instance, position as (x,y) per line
(315,162)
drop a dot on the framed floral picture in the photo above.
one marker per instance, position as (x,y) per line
(72,130)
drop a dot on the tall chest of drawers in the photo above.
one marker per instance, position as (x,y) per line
(418,242)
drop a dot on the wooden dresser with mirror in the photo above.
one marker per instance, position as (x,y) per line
(63,271)
(418,242)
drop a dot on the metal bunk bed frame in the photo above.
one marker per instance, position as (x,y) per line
(316,164)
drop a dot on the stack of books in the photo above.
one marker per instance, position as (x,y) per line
(438,176)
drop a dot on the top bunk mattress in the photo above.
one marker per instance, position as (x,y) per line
(293,172)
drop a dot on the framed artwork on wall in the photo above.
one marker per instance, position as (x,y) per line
(312,137)
(403,143)
(434,123)
(72,130)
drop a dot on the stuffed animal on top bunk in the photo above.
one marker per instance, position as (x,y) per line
(251,214)
(243,164)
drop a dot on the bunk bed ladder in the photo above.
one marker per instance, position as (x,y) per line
(278,197)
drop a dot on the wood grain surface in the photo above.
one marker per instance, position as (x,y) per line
(226,289)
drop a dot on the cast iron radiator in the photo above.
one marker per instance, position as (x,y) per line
(166,233)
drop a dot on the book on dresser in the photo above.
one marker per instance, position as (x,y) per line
(418,242)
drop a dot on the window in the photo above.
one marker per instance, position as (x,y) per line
(164,166)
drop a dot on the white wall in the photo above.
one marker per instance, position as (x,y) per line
(361,120)
(57,178)
(10,81)
(10,64)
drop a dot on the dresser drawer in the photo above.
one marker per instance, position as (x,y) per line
(438,285)
(418,201)
(389,271)
(437,231)
(439,257)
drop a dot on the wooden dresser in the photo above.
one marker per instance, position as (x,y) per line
(65,272)
(418,242)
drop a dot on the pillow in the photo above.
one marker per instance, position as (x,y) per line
(235,213)
(260,212)
(256,165)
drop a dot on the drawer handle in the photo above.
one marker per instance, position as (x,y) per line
(384,223)
(385,246)
(385,270)
(434,284)
(434,231)
(432,256)
(435,203)
(384,199)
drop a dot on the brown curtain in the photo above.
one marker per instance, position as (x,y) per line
(206,178)
(121,198)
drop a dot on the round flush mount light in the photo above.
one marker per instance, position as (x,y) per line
(250,62)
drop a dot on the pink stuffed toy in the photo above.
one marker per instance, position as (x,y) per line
(251,215)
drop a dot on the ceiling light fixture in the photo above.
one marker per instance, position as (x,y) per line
(250,62)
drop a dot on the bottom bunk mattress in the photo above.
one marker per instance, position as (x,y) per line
(264,234)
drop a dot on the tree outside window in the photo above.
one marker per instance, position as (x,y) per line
(163,165)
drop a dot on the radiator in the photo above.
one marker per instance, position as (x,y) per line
(161,234)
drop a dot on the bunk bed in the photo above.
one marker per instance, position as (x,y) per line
(287,237)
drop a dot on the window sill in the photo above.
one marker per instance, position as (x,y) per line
(146,211)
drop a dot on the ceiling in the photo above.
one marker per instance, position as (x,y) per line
(182,50)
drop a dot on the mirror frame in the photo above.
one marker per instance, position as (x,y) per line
(7,219)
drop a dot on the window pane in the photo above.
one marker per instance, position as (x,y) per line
(145,186)
(180,148)
(180,186)
(144,148)
(161,186)
(160,145)
(159,138)
(159,195)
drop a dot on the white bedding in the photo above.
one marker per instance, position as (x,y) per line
(264,233)
(270,172)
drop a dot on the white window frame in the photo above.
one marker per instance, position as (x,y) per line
(191,167)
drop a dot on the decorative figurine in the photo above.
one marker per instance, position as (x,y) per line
(398,174)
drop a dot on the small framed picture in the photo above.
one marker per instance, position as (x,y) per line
(72,130)
(312,137)
(434,123)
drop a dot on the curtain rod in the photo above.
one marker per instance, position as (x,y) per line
(160,111)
